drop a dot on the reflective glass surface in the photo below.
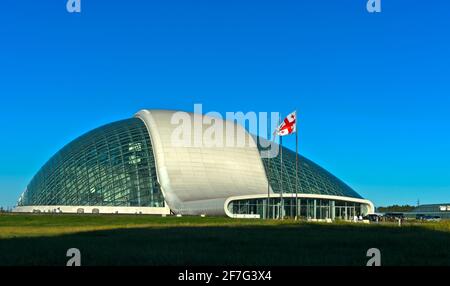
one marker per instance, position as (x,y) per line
(306,208)
(109,166)
(312,179)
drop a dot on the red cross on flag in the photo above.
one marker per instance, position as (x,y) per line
(288,126)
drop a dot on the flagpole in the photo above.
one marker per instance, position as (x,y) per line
(268,189)
(268,173)
(288,126)
(280,154)
(281,178)
(296,166)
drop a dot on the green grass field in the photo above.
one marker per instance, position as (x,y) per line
(146,240)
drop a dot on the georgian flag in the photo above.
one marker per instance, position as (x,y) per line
(288,126)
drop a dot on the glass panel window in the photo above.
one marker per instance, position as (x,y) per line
(110,166)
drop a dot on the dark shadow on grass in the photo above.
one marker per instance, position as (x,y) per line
(305,244)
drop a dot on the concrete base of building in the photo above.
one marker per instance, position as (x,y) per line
(93,210)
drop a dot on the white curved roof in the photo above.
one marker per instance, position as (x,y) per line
(198,177)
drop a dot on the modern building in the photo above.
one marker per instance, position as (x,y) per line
(137,166)
(434,210)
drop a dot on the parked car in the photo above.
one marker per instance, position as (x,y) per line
(372,217)
(432,218)
(394,216)
(420,216)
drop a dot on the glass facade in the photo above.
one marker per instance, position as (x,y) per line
(319,209)
(312,179)
(110,166)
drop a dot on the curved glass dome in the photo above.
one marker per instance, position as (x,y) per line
(312,179)
(112,165)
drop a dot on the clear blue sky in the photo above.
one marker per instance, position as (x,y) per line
(373,90)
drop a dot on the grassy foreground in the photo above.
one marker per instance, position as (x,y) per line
(146,240)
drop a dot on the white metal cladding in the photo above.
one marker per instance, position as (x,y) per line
(199,179)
